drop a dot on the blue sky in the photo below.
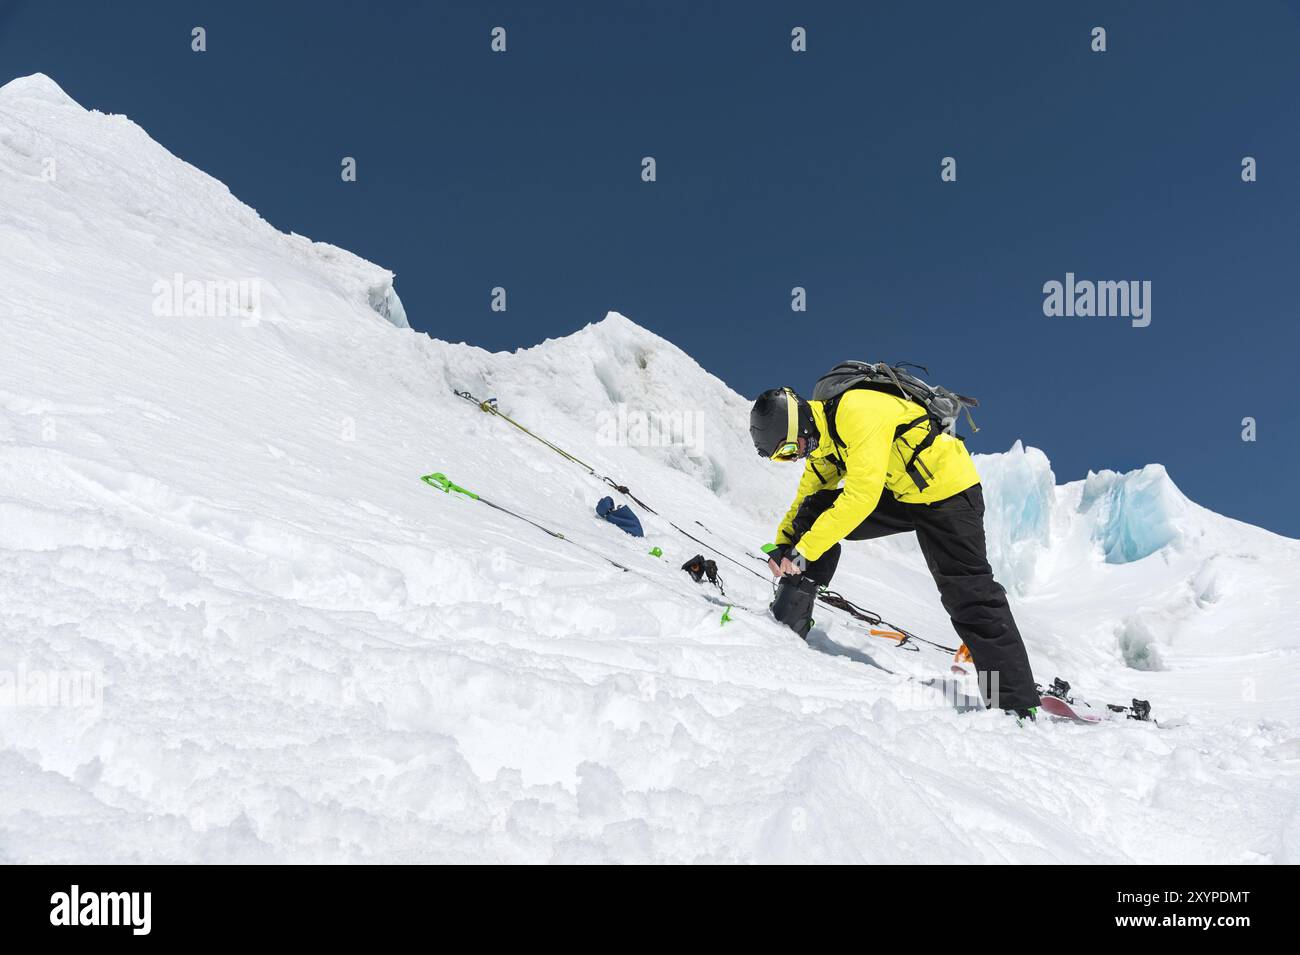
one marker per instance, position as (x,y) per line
(778,169)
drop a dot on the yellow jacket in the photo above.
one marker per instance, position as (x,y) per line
(868,461)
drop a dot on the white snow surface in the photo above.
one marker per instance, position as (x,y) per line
(308,655)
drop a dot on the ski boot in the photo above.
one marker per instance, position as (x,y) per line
(1024,714)
(795,596)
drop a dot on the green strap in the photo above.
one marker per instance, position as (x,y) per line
(726,617)
(444,484)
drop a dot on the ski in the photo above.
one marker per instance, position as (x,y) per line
(1057,702)
(1070,710)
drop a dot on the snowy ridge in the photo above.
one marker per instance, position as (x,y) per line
(64,160)
(309,655)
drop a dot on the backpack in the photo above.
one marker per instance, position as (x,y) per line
(942,406)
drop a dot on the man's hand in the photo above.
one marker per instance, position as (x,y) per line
(785,560)
(795,566)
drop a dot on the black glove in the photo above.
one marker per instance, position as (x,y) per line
(780,552)
(699,568)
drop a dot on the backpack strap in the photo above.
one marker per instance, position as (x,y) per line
(913,466)
(828,408)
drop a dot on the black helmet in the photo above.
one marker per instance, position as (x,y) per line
(779,420)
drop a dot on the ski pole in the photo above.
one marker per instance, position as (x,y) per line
(490,406)
(447,486)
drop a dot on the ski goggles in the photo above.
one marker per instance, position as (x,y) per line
(787,452)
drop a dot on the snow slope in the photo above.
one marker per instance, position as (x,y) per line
(306,654)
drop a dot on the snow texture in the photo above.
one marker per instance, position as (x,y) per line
(304,653)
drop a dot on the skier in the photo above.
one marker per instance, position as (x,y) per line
(901,472)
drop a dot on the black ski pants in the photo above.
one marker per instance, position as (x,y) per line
(951,535)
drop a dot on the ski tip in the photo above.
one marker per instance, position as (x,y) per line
(1054,706)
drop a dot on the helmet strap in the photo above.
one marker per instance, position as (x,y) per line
(792,416)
